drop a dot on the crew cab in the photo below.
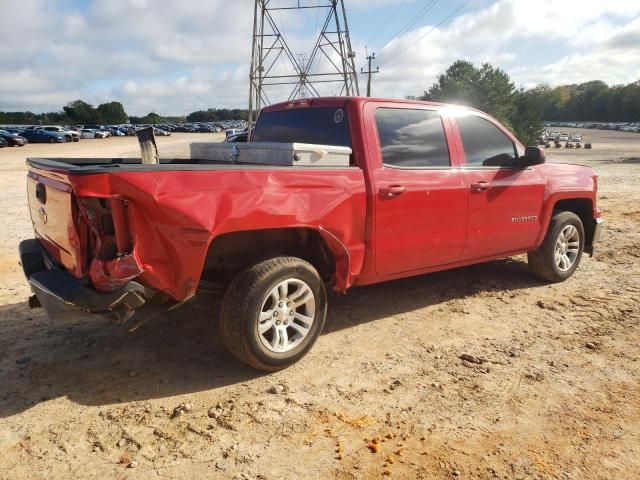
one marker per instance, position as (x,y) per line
(426,187)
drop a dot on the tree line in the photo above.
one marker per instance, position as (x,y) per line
(491,90)
(80,112)
(591,101)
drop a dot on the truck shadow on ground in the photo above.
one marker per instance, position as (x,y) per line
(98,363)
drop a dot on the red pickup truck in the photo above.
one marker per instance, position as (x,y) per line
(429,187)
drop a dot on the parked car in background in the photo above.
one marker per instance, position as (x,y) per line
(160,132)
(90,133)
(69,135)
(3,142)
(239,137)
(43,136)
(17,131)
(99,128)
(185,129)
(13,139)
(116,131)
(232,131)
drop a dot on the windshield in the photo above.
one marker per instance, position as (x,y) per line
(320,126)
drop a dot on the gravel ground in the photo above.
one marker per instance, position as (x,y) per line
(548,387)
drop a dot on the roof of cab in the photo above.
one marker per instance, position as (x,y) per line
(341,101)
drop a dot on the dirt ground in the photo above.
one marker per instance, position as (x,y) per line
(383,394)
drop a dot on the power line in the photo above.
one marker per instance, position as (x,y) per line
(421,13)
(384,25)
(404,50)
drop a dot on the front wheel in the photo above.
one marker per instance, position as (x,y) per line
(561,251)
(273,313)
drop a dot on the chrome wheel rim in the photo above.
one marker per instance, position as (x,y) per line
(286,315)
(567,248)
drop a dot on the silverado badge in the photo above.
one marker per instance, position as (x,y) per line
(530,218)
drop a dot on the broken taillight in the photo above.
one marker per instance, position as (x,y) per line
(109,232)
(109,242)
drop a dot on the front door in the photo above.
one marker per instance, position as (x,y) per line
(505,200)
(420,200)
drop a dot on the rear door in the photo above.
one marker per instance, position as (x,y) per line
(420,199)
(505,200)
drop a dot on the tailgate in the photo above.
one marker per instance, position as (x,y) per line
(54,215)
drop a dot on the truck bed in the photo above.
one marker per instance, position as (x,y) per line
(168,214)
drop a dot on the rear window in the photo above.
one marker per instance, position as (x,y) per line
(412,138)
(321,126)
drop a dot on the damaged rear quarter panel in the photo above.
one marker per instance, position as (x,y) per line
(176,214)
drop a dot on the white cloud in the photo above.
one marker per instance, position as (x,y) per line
(590,40)
(177,56)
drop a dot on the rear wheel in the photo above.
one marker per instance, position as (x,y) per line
(51,140)
(273,313)
(560,253)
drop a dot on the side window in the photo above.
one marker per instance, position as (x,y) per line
(485,145)
(412,138)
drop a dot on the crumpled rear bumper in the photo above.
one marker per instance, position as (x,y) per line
(57,290)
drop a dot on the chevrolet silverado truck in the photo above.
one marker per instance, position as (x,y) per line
(427,187)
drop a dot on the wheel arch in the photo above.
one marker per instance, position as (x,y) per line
(231,252)
(581,206)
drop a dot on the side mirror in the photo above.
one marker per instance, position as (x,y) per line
(532,156)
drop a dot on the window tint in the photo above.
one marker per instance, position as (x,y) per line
(322,126)
(484,144)
(412,138)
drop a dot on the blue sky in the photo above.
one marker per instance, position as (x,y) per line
(176,56)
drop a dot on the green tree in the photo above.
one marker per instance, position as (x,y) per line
(112,113)
(81,112)
(200,116)
(489,89)
(526,117)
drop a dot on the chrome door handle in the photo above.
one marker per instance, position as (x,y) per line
(480,186)
(392,191)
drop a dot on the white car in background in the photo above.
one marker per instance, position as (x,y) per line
(161,133)
(89,133)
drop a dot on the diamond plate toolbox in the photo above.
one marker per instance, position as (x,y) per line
(277,154)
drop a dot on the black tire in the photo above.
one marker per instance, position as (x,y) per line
(542,261)
(243,303)
(51,140)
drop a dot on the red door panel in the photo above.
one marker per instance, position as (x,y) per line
(504,213)
(422,226)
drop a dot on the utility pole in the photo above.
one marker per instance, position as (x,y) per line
(370,72)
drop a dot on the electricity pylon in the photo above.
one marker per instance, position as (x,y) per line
(330,61)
